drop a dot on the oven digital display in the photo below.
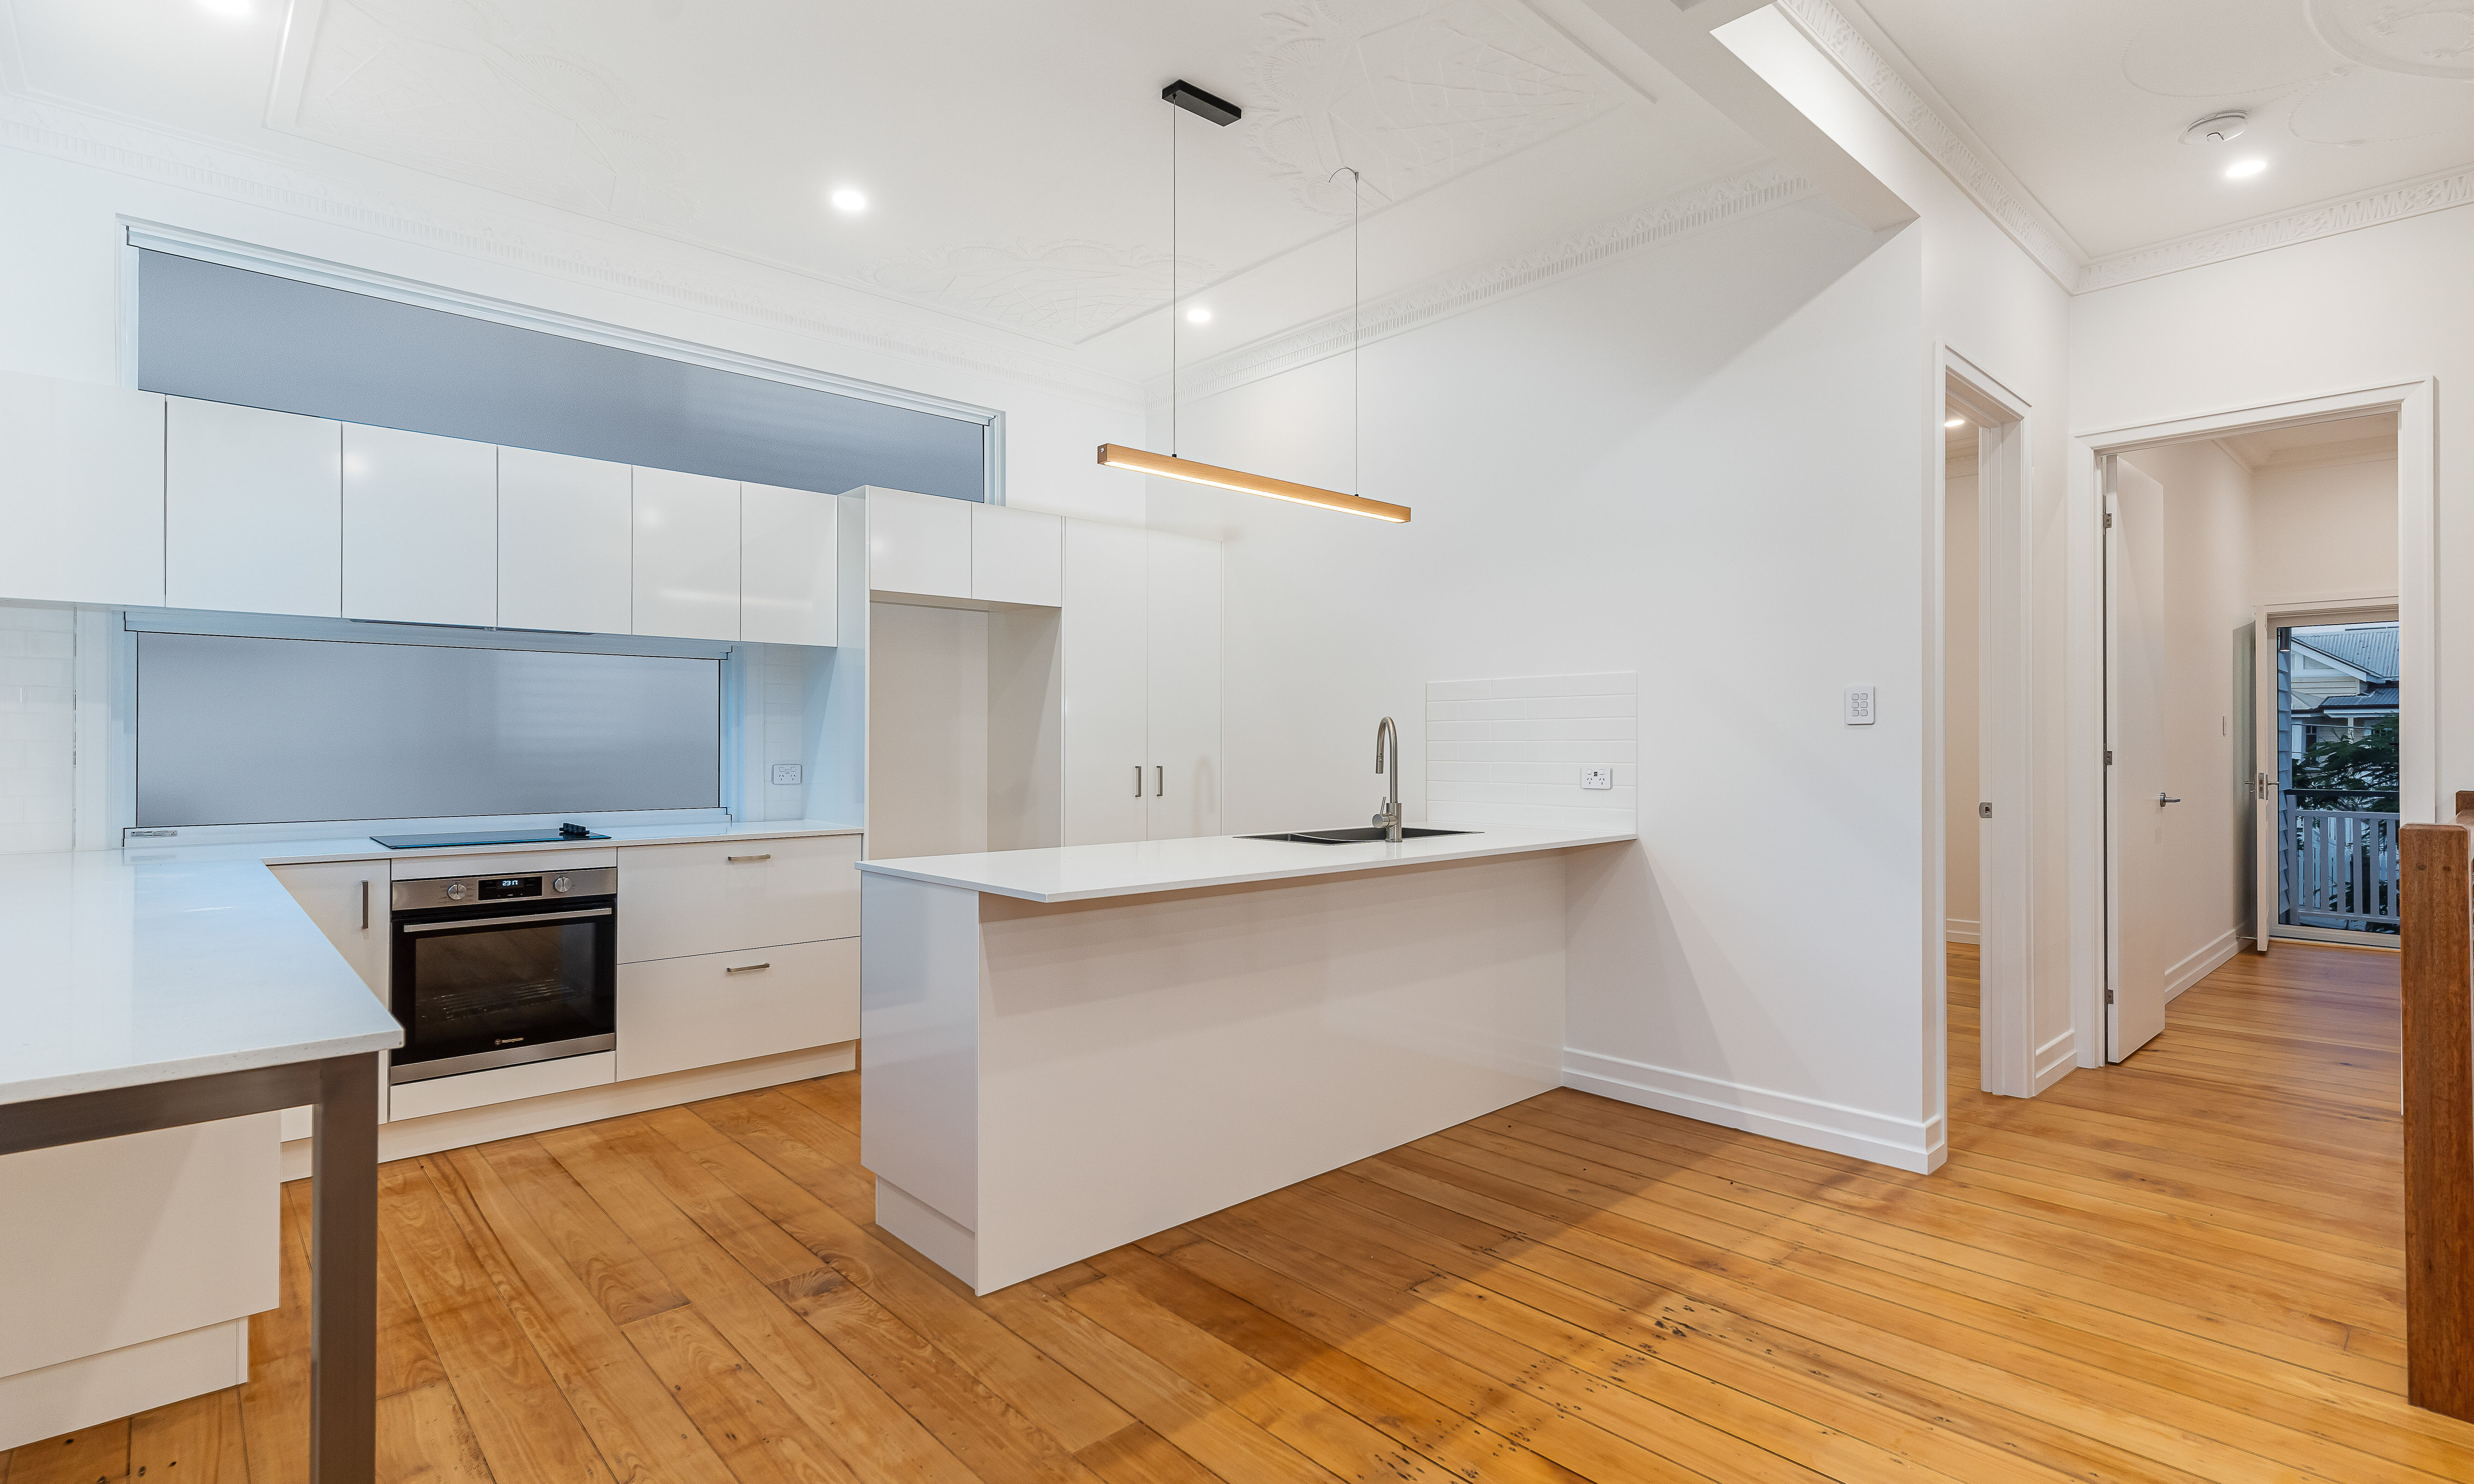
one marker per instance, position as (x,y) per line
(504,888)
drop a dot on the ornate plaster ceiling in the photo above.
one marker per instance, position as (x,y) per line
(2086,103)
(1015,156)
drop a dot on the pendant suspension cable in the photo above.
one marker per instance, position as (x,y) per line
(1355,437)
(1172,281)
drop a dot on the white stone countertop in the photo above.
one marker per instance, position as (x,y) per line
(303,852)
(1077,872)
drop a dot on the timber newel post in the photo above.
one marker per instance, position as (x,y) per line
(2437,889)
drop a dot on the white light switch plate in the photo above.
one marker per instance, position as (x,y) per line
(1859,706)
(1597,778)
(786,773)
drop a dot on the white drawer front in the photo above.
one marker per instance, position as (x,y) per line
(498,1085)
(679,1013)
(714,897)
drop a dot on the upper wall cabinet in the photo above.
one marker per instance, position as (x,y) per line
(1017,556)
(687,555)
(918,543)
(421,528)
(566,527)
(253,505)
(788,554)
(81,493)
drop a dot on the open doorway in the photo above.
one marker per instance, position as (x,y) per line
(2251,582)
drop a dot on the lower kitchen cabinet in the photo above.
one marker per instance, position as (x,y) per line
(347,901)
(724,894)
(681,1013)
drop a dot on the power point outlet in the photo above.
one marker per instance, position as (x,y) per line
(1597,778)
(786,773)
(1859,706)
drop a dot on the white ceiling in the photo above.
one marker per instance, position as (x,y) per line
(2085,101)
(2313,445)
(1015,156)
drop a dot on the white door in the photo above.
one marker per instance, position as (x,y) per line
(1102,639)
(686,555)
(254,510)
(421,528)
(2136,785)
(1183,664)
(2267,785)
(563,543)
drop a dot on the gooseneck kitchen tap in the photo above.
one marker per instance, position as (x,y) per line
(1390,815)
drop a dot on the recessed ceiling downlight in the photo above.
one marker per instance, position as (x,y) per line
(226,10)
(848,199)
(1956,423)
(1198,314)
(2242,168)
(2217,128)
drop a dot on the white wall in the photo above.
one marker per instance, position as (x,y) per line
(2326,531)
(1703,464)
(1960,797)
(38,728)
(928,731)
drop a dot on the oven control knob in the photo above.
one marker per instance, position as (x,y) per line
(558,883)
(455,891)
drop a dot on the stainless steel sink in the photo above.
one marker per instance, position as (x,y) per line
(1357,834)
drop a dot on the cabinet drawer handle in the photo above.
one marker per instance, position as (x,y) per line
(1138,780)
(1159,781)
(767,855)
(748,968)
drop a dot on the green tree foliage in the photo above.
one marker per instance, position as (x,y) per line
(2362,765)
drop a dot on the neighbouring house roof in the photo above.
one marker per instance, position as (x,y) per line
(2379,700)
(2369,650)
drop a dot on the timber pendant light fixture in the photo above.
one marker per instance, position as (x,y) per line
(1201,105)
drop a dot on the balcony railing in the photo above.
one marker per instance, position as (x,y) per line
(2341,869)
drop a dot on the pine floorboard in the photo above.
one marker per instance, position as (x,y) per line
(2186,1268)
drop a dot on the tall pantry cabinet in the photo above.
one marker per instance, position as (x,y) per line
(1140,643)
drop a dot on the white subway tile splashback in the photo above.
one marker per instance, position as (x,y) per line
(38,728)
(1509,751)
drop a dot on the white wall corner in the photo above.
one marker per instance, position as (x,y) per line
(1900,92)
(1914,1145)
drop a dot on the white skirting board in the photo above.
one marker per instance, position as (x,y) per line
(1962,930)
(2055,1059)
(411,1137)
(2198,965)
(1907,1144)
(56,1399)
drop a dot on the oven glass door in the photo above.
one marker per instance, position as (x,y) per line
(477,988)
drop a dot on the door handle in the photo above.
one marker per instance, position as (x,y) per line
(511,919)
(1138,780)
(1159,781)
(2163,799)
(365,906)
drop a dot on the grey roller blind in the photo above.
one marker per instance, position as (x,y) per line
(261,732)
(229,335)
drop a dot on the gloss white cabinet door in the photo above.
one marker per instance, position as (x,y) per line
(1182,696)
(564,533)
(420,527)
(1017,556)
(686,555)
(81,493)
(918,543)
(788,552)
(680,1013)
(254,510)
(347,901)
(1101,640)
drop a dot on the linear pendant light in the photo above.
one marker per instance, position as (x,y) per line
(1195,101)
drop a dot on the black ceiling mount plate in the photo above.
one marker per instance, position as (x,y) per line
(1201,105)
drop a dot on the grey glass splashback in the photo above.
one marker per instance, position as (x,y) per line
(259,730)
(225,334)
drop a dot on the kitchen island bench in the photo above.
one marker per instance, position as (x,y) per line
(1069,1050)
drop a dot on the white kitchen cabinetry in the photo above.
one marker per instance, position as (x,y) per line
(680,1013)
(81,493)
(727,895)
(564,533)
(686,555)
(1182,707)
(918,543)
(788,552)
(1017,556)
(421,528)
(253,505)
(349,901)
(1141,643)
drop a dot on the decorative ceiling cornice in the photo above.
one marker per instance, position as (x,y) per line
(610,257)
(1677,216)
(1889,89)
(2415,198)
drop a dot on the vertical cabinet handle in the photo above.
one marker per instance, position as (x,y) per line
(1159,781)
(1138,780)
(365,906)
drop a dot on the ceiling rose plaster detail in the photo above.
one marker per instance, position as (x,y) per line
(2417,198)
(1890,90)
(1409,92)
(1066,292)
(1676,217)
(465,89)
(2433,39)
(131,149)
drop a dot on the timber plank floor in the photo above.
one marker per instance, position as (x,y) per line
(2186,1268)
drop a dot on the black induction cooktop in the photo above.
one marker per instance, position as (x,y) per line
(558,836)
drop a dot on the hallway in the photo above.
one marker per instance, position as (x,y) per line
(2182,1269)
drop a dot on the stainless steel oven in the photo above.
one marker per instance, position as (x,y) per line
(498,970)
